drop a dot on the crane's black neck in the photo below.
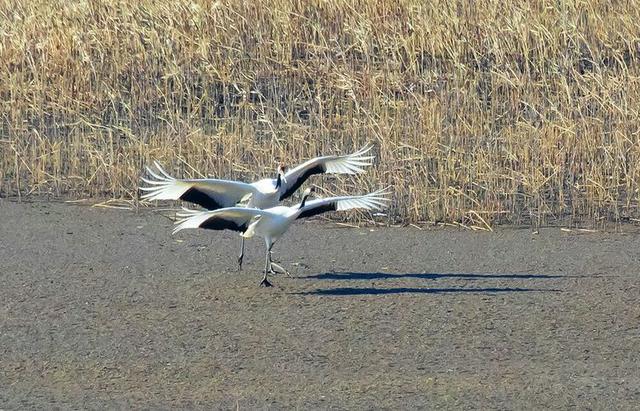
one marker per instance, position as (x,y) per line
(304,200)
(278,180)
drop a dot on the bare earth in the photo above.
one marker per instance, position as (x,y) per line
(103,308)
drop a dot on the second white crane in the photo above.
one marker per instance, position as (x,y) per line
(273,222)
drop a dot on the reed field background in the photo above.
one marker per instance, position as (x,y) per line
(481,112)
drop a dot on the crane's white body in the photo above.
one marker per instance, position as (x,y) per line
(265,195)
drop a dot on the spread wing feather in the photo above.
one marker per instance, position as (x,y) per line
(372,201)
(209,193)
(232,218)
(346,164)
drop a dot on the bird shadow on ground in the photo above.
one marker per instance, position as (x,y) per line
(426,276)
(354,276)
(416,290)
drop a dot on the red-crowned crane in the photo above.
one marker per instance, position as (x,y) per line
(272,223)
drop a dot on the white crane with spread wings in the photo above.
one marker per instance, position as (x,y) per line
(272,223)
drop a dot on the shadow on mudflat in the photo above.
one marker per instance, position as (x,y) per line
(350,276)
(426,276)
(416,290)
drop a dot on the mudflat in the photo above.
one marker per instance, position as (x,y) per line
(103,308)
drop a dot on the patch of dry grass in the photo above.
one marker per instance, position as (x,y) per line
(489,111)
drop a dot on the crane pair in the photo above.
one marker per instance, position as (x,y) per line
(252,208)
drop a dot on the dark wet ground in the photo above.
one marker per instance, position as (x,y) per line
(103,308)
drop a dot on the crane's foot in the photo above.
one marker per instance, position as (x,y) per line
(265,283)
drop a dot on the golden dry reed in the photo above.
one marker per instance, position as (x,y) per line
(482,112)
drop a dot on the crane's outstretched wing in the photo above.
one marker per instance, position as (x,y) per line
(372,201)
(208,193)
(347,164)
(232,218)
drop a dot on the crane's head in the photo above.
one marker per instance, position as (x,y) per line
(306,195)
(281,178)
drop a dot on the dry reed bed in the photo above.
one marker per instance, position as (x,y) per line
(481,112)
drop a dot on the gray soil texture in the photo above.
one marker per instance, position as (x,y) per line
(103,308)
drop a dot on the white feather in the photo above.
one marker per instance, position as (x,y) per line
(191,221)
(344,164)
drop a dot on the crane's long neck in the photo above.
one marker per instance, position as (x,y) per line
(295,212)
(278,181)
(304,200)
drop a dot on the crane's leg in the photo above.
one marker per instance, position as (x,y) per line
(241,255)
(267,267)
(273,265)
